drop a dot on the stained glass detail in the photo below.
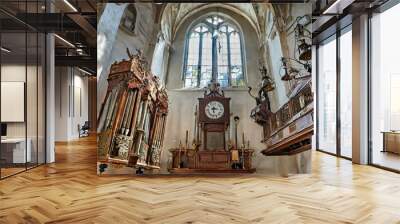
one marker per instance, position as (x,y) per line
(206,60)
(192,71)
(223,60)
(237,78)
(230,29)
(226,57)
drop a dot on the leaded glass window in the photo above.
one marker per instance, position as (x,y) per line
(213,51)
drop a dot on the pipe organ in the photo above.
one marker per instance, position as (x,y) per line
(132,119)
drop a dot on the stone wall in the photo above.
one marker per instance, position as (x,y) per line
(112,41)
(71,102)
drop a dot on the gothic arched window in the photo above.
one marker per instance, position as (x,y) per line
(213,51)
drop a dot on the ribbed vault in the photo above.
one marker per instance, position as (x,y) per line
(174,14)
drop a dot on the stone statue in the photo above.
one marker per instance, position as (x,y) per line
(267,85)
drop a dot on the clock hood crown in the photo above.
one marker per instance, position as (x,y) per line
(214,89)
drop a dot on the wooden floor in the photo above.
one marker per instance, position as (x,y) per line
(70,192)
(387,159)
(5,172)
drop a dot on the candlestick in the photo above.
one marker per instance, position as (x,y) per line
(231,126)
(179,155)
(236,119)
(187,139)
(243,142)
(195,123)
(229,133)
(199,130)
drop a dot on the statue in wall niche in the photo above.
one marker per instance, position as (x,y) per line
(258,99)
(267,85)
(214,88)
(139,55)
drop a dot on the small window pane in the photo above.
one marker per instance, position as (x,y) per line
(222,51)
(206,60)
(237,75)
(222,55)
(206,75)
(206,54)
(191,76)
(192,61)
(223,29)
(236,60)
(223,75)
(193,53)
(236,55)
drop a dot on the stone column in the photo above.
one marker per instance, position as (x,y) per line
(50,99)
(360,90)
(164,71)
(50,92)
(107,30)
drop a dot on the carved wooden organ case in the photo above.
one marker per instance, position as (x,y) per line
(133,116)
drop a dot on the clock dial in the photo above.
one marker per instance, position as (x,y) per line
(214,110)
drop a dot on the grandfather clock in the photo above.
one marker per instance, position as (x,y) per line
(213,156)
(214,116)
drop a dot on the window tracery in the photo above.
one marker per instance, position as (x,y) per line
(213,51)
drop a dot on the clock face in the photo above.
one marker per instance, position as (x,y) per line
(214,110)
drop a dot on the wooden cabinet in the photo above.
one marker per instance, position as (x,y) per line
(391,142)
(213,160)
(189,161)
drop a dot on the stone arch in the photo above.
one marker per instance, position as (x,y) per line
(230,20)
(249,43)
(175,14)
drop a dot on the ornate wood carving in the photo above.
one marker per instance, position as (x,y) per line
(289,130)
(216,158)
(133,116)
(209,161)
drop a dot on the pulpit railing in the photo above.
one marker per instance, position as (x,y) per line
(296,104)
(284,129)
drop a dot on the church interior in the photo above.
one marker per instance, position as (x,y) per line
(199,112)
(223,70)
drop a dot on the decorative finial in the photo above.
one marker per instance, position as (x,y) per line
(129,53)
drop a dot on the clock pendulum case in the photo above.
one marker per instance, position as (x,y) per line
(214,116)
